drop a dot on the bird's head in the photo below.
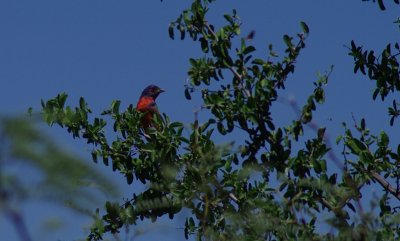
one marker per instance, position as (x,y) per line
(152,91)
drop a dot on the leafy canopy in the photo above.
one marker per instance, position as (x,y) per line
(274,184)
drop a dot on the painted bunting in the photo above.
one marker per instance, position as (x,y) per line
(147,104)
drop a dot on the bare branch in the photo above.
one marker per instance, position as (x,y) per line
(336,210)
(19,224)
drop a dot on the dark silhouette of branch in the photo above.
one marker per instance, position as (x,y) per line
(19,224)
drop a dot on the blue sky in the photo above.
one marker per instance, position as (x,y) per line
(107,50)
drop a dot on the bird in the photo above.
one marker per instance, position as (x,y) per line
(147,104)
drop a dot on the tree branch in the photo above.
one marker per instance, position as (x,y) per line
(385,184)
(19,225)
(339,213)
(233,70)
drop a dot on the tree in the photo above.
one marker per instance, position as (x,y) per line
(274,183)
(60,177)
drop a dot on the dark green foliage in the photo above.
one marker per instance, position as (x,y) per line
(383,69)
(275,183)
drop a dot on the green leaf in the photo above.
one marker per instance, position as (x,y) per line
(321,133)
(363,124)
(356,146)
(248,50)
(384,139)
(353,46)
(61,99)
(182,31)
(228,18)
(332,178)
(129,178)
(375,94)
(258,61)
(191,222)
(273,54)
(221,128)
(171,31)
(351,207)
(366,157)
(304,27)
(317,166)
(193,62)
(339,139)
(381,5)
(94,155)
(82,103)
(204,45)
(287,40)
(187,94)
(176,125)
(115,106)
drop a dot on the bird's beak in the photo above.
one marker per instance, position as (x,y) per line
(161,90)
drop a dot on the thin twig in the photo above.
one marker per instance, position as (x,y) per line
(19,224)
(233,197)
(336,210)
